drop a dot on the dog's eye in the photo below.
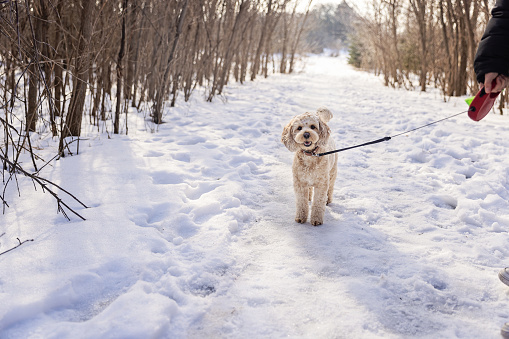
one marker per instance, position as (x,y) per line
(313,127)
(299,128)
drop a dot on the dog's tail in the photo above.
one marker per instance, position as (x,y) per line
(324,114)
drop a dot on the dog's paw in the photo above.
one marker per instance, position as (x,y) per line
(317,216)
(316,222)
(300,220)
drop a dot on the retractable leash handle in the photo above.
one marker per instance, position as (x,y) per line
(482,104)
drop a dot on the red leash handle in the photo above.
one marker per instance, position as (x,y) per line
(482,104)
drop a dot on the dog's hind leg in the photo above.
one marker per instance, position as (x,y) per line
(310,194)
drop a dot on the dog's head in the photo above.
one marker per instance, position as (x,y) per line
(307,131)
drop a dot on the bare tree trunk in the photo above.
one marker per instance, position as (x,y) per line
(48,63)
(75,113)
(58,81)
(33,84)
(419,9)
(461,88)
(286,28)
(272,23)
(158,104)
(136,63)
(229,50)
(119,71)
(470,6)
(445,37)
(259,49)
(297,40)
(132,52)
(34,75)
(396,66)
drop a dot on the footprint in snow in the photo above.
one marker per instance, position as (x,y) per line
(166,178)
(444,201)
(149,215)
(194,193)
(183,225)
(210,145)
(233,127)
(189,141)
(153,154)
(181,156)
(418,157)
(250,132)
(441,133)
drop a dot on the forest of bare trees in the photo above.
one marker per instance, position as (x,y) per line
(137,51)
(429,43)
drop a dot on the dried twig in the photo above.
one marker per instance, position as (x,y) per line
(18,245)
(42,182)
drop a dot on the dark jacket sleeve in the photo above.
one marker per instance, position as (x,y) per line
(493,50)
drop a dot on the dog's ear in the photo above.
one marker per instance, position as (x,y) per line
(324,134)
(324,114)
(287,137)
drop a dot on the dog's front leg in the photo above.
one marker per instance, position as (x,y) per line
(318,206)
(302,203)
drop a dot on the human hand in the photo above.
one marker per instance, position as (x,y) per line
(501,82)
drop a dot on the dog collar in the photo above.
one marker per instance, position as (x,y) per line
(310,153)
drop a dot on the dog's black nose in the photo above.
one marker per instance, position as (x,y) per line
(306,135)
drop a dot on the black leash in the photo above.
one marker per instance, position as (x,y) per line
(387,138)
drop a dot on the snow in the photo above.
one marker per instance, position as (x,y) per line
(190,233)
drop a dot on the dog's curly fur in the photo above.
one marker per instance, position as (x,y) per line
(306,134)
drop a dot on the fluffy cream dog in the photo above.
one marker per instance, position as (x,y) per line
(308,134)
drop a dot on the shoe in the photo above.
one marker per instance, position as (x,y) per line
(505,331)
(504,276)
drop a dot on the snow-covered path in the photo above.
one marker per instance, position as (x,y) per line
(190,233)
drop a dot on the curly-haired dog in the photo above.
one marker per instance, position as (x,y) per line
(308,134)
